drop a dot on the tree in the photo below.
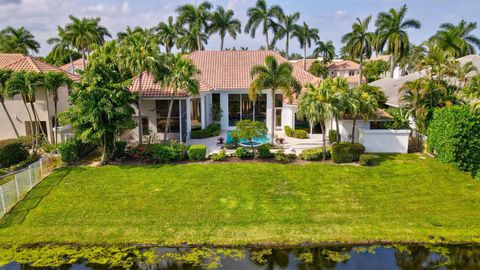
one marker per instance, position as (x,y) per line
(261,13)
(458,39)
(197,18)
(392,33)
(4,77)
(316,105)
(284,28)
(84,33)
(305,36)
(374,69)
(318,69)
(464,71)
(18,40)
(223,22)
(53,81)
(326,50)
(361,104)
(138,53)
(178,74)
(188,40)
(250,130)
(62,45)
(168,33)
(471,91)
(359,42)
(275,77)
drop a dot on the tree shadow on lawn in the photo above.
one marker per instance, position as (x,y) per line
(18,214)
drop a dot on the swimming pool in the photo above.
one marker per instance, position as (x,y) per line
(257,141)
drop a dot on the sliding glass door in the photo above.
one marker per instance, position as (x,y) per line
(240,107)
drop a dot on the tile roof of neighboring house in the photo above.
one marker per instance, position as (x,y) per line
(384,57)
(77,63)
(343,65)
(380,115)
(222,70)
(308,63)
(29,63)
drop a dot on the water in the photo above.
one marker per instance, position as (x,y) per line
(257,141)
(334,257)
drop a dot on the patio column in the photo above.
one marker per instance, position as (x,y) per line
(203,110)
(189,117)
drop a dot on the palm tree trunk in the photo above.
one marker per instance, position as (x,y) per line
(265,29)
(353,129)
(305,57)
(139,112)
(31,122)
(272,124)
(83,59)
(286,47)
(337,126)
(167,125)
(311,128)
(105,150)
(9,118)
(360,70)
(49,118)
(55,105)
(324,138)
(392,65)
(221,42)
(71,62)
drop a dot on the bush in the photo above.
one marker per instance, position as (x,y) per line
(2,172)
(210,131)
(332,136)
(120,147)
(314,154)
(264,151)
(454,137)
(49,148)
(219,156)
(368,160)
(163,153)
(74,149)
(243,153)
(12,153)
(299,134)
(197,152)
(22,164)
(346,152)
(282,157)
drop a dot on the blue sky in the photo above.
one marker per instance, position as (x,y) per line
(332,17)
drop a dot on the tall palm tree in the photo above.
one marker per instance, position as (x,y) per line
(197,17)
(138,53)
(261,13)
(188,40)
(53,81)
(458,38)
(223,22)
(392,33)
(340,102)
(178,74)
(284,29)
(4,77)
(305,36)
(20,40)
(62,44)
(326,50)
(361,104)
(130,31)
(84,33)
(168,33)
(316,105)
(275,77)
(359,42)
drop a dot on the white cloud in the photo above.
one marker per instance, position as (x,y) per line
(126,9)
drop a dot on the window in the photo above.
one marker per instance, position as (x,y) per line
(196,113)
(145,127)
(351,73)
(36,131)
(305,125)
(234,112)
(240,107)
(162,113)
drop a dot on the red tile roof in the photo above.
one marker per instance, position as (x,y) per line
(77,63)
(343,65)
(9,58)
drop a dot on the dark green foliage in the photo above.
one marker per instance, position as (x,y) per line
(24,163)
(120,147)
(400,120)
(264,151)
(346,152)
(368,160)
(299,134)
(219,156)
(454,137)
(314,154)
(332,136)
(243,153)
(210,131)
(74,149)
(12,153)
(163,153)
(62,58)
(197,152)
(375,69)
(282,157)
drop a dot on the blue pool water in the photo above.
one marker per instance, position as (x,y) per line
(258,141)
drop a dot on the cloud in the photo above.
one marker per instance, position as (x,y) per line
(340,13)
(126,9)
(7,2)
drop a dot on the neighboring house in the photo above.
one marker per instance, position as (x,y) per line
(16,109)
(77,65)
(337,68)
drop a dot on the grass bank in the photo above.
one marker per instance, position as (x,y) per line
(408,198)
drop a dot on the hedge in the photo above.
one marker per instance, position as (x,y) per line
(12,152)
(346,152)
(197,152)
(368,160)
(314,154)
(243,153)
(299,134)
(210,131)
(454,137)
(163,153)
(264,151)
(332,136)
(74,149)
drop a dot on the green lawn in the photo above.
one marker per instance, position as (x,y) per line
(406,198)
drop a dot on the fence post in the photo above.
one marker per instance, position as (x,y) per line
(16,187)
(3,201)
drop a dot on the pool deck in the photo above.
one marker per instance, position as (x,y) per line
(291,145)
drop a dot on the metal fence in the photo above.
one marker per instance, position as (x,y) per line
(15,190)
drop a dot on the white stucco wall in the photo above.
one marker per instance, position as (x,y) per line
(384,141)
(346,127)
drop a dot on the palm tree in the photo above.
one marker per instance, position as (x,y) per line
(4,77)
(318,69)
(261,13)
(464,71)
(129,31)
(20,40)
(316,105)
(359,42)
(178,74)
(284,28)
(62,44)
(305,36)
(458,38)
(340,102)
(392,32)
(84,33)
(326,50)
(168,33)
(472,91)
(223,22)
(197,18)
(138,53)
(53,81)
(188,40)
(275,77)
(361,104)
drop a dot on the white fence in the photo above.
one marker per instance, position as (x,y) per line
(15,190)
(384,140)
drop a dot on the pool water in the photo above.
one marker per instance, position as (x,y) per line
(257,141)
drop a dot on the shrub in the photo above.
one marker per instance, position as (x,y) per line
(222,155)
(332,136)
(368,160)
(243,153)
(346,152)
(282,157)
(299,134)
(12,153)
(120,147)
(454,137)
(163,153)
(197,152)
(22,164)
(210,131)
(314,154)
(49,148)
(2,172)
(264,151)
(74,149)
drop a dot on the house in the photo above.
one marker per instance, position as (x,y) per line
(74,66)
(337,68)
(15,107)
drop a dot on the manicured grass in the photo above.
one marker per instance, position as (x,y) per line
(406,198)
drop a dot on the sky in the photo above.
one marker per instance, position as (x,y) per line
(333,18)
